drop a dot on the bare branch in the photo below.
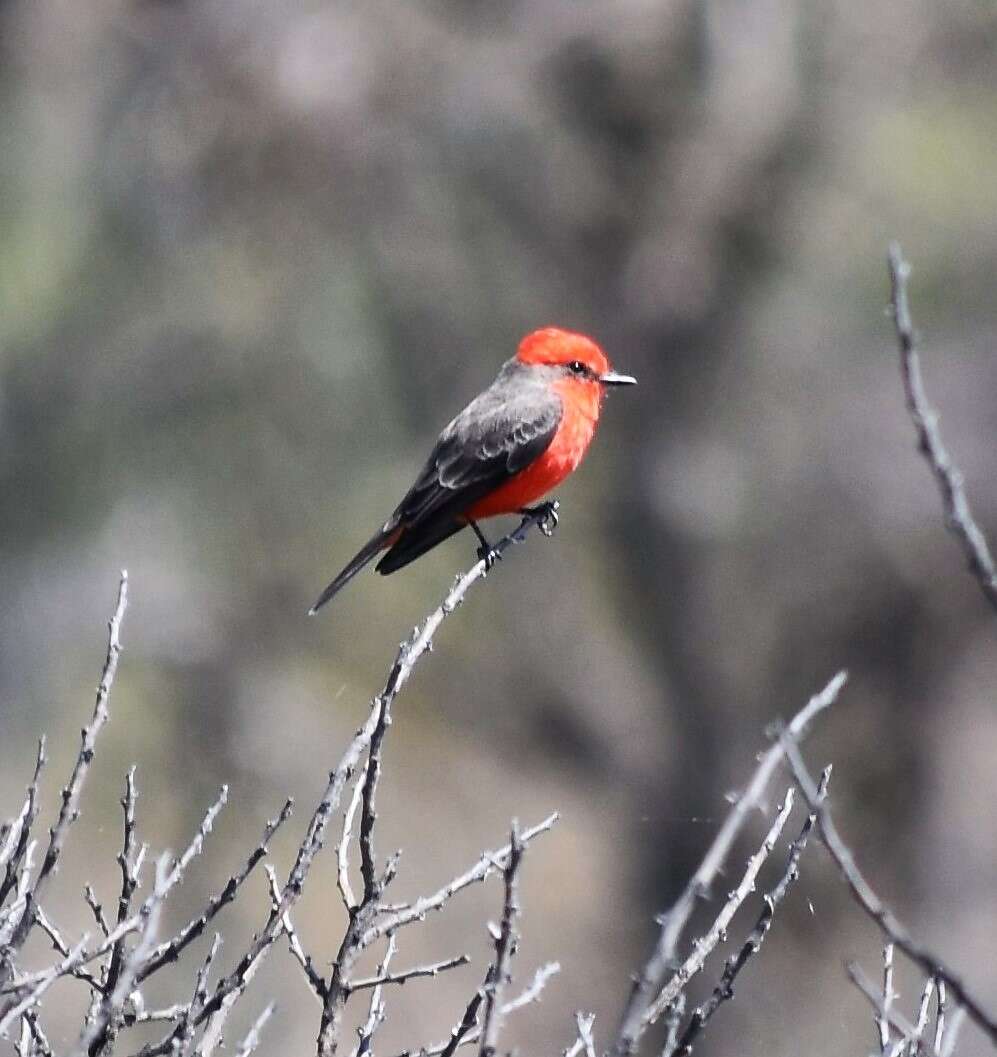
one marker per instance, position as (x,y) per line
(39,984)
(462,1032)
(97,1031)
(673,1021)
(724,990)
(884,1020)
(314,978)
(921,1026)
(584,1022)
(129,862)
(252,1039)
(941,1009)
(59,944)
(466,1032)
(217,1015)
(648,984)
(96,909)
(490,862)
(532,993)
(343,848)
(375,1011)
(69,810)
(170,951)
(433,969)
(505,947)
(41,1042)
(958,516)
(947,1047)
(884,1012)
(705,946)
(16,838)
(368,813)
(870,902)
(184,1031)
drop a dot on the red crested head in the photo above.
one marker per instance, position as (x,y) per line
(576,354)
(554,347)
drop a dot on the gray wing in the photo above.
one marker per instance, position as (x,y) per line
(498,434)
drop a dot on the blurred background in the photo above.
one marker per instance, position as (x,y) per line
(254,255)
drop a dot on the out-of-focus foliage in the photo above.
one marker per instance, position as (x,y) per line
(254,255)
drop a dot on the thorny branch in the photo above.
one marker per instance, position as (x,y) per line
(647,998)
(724,991)
(506,943)
(958,515)
(121,970)
(118,971)
(69,811)
(871,903)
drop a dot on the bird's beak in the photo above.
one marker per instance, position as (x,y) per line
(612,378)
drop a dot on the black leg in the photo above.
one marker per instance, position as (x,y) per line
(486,552)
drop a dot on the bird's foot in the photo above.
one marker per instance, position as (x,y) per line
(489,555)
(486,552)
(547,516)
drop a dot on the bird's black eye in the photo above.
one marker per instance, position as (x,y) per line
(577,367)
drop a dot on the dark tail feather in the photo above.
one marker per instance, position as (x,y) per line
(366,554)
(415,542)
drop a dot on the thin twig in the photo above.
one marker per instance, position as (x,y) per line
(130,863)
(16,841)
(921,1025)
(584,1022)
(312,975)
(433,969)
(252,1039)
(489,863)
(724,990)
(956,1021)
(882,1012)
(96,909)
(183,1033)
(673,1021)
(705,946)
(343,848)
(69,811)
(375,1011)
(41,1042)
(505,947)
(463,1031)
(466,1032)
(884,1020)
(110,1006)
(170,951)
(59,944)
(941,1008)
(648,984)
(958,516)
(532,993)
(870,902)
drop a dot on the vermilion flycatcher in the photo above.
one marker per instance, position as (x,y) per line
(509,447)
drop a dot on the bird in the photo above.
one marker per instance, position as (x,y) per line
(511,445)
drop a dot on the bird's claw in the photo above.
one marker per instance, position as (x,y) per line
(489,555)
(547,516)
